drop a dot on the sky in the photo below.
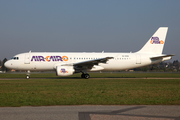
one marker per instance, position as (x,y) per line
(86,25)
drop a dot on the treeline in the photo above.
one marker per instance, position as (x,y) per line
(161,67)
(2,67)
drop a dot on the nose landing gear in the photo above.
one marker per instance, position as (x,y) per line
(28,74)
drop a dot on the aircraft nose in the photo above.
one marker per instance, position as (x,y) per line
(7,64)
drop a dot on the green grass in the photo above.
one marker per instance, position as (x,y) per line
(49,89)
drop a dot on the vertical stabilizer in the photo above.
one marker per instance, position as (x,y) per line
(156,43)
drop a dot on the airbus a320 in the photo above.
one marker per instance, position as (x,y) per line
(69,63)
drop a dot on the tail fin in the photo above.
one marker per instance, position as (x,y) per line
(156,43)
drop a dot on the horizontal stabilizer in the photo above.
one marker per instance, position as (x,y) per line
(161,57)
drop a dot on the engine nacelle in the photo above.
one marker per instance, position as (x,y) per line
(64,70)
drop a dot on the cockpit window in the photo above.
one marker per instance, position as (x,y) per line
(15,58)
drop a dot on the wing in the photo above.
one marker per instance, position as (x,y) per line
(93,62)
(88,65)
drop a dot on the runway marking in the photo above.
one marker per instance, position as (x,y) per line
(118,115)
(123,117)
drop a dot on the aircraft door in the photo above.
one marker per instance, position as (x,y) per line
(138,59)
(27,58)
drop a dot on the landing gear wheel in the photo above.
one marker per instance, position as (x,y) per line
(86,76)
(27,76)
(82,76)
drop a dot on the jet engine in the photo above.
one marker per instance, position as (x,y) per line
(64,70)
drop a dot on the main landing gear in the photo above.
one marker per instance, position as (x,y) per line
(85,75)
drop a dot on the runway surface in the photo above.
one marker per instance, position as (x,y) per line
(92,112)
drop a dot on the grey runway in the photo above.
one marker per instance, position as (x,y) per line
(92,112)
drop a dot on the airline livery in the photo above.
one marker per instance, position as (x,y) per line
(68,63)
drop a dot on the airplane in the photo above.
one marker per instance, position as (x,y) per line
(69,63)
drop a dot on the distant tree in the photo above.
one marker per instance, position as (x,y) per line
(176,65)
(3,68)
(162,66)
(0,65)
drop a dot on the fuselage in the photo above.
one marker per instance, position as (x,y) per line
(49,60)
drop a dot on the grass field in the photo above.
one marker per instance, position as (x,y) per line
(48,89)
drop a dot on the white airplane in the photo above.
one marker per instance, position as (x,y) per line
(68,63)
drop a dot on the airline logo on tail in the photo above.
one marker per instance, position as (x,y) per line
(155,40)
